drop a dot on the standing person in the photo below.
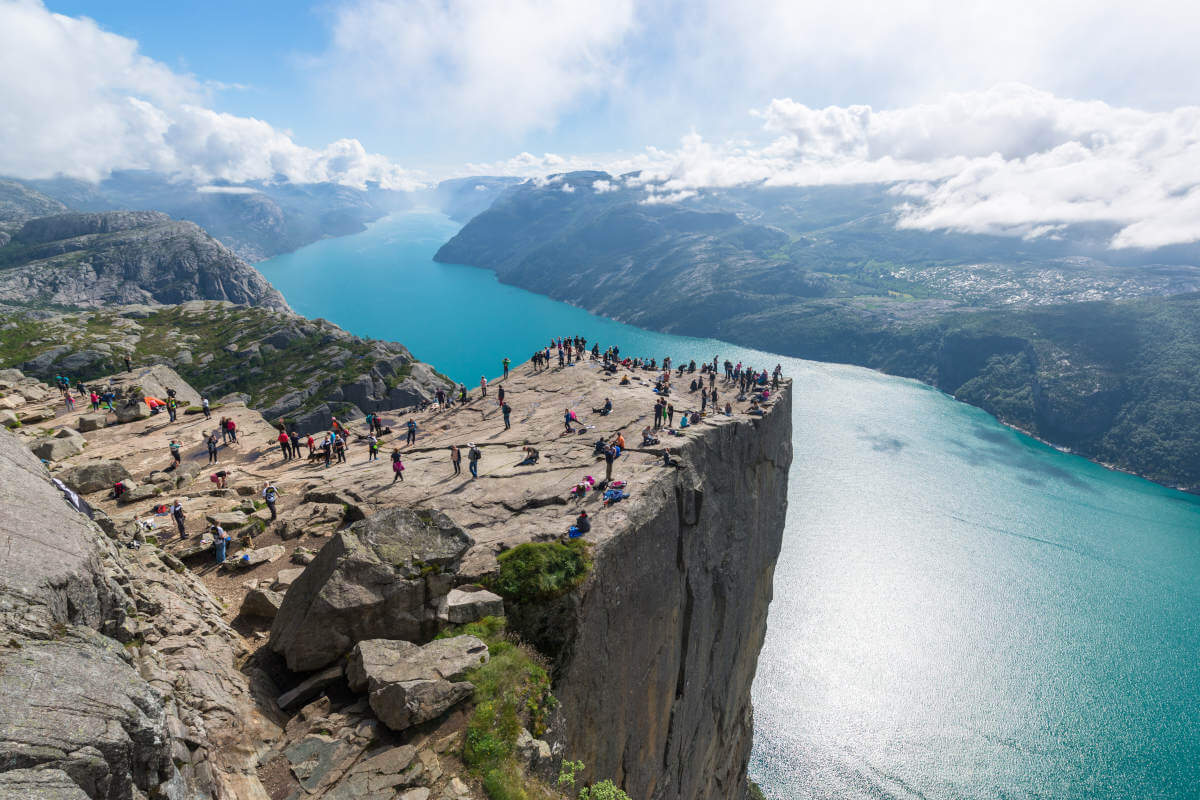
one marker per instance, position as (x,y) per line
(500,396)
(482,386)
(312,446)
(212,447)
(295,440)
(567,415)
(372,447)
(397,465)
(703,399)
(670,415)
(411,435)
(506,410)
(473,456)
(506,363)
(220,541)
(610,455)
(172,408)
(232,426)
(70,401)
(285,445)
(175,448)
(271,494)
(658,409)
(128,364)
(178,515)
(223,424)
(339,447)
(327,448)
(95,398)
(456,459)
(204,407)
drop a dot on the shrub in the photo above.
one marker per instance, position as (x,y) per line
(604,790)
(540,571)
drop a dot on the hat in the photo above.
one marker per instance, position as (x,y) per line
(470,444)
(583,513)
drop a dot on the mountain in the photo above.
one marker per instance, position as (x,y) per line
(256,220)
(19,202)
(1060,337)
(90,260)
(463,198)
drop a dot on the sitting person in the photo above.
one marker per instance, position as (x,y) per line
(648,438)
(598,448)
(695,417)
(667,460)
(604,410)
(624,380)
(683,422)
(728,410)
(755,408)
(119,488)
(582,525)
(531,456)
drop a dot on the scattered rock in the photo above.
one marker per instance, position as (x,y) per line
(139,493)
(38,415)
(262,603)
(263,555)
(402,705)
(94,476)
(310,687)
(127,412)
(377,661)
(227,519)
(302,555)
(58,449)
(92,422)
(9,419)
(285,578)
(470,603)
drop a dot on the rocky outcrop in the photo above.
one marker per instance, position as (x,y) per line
(94,476)
(409,684)
(116,257)
(384,577)
(83,619)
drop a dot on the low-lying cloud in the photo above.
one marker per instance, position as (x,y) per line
(80,101)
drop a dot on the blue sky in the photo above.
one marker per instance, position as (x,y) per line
(1015,118)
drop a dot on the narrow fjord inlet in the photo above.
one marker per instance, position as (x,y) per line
(959,611)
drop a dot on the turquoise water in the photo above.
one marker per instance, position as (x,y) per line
(959,612)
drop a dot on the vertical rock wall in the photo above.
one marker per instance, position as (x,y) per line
(658,651)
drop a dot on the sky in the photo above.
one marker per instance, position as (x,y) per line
(1017,118)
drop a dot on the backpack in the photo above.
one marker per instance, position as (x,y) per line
(475,454)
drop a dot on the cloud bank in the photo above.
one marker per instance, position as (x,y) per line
(77,100)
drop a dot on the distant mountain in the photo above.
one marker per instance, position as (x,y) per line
(19,202)
(462,198)
(122,257)
(1088,349)
(256,220)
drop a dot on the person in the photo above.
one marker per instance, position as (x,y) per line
(172,408)
(294,438)
(670,415)
(178,515)
(204,407)
(212,448)
(582,525)
(220,478)
(531,456)
(128,364)
(568,415)
(620,440)
(339,447)
(605,409)
(232,427)
(648,438)
(373,448)
(70,401)
(397,465)
(95,398)
(456,459)
(220,541)
(667,460)
(327,448)
(610,455)
(411,436)
(270,494)
(506,410)
(312,446)
(506,363)
(482,386)
(175,448)
(703,399)
(684,421)
(119,488)
(500,396)
(473,456)
(285,445)
(728,409)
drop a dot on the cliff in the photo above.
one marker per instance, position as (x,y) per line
(650,650)
(120,257)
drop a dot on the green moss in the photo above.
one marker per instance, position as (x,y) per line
(756,792)
(539,571)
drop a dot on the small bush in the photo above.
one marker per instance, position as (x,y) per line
(604,790)
(540,571)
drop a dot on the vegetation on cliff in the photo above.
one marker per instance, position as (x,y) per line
(539,571)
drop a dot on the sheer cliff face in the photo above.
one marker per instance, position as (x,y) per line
(662,642)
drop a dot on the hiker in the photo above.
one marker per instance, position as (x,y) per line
(119,488)
(397,465)
(172,408)
(128,364)
(456,459)
(506,363)
(339,448)
(500,396)
(220,478)
(372,448)
(204,407)
(220,541)
(670,415)
(232,427)
(378,425)
(531,456)
(506,410)
(667,460)
(294,439)
(582,525)
(95,398)
(327,448)
(270,494)
(224,427)
(648,438)
(473,456)
(70,401)
(175,448)
(482,386)
(568,415)
(658,409)
(620,440)
(178,515)
(728,410)
(285,445)
(212,447)
(610,455)
(411,436)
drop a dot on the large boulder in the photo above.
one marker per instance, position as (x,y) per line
(408,684)
(58,449)
(92,422)
(261,603)
(131,412)
(382,578)
(94,476)
(470,603)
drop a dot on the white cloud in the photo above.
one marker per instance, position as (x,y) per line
(510,66)
(603,187)
(568,188)
(80,101)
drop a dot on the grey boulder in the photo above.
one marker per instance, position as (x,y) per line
(471,603)
(92,422)
(58,449)
(383,578)
(94,476)
(262,603)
